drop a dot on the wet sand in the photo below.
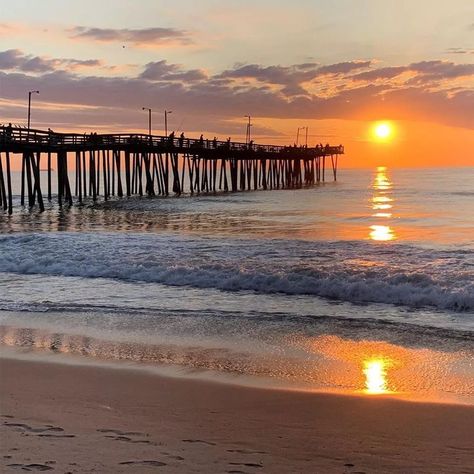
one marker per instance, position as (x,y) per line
(81,419)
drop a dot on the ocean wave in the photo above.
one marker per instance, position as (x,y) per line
(358,272)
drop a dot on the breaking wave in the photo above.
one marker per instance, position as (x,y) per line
(358,272)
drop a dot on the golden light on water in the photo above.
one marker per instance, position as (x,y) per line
(381,233)
(375,376)
(382,200)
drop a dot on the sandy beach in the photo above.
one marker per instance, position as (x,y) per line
(80,419)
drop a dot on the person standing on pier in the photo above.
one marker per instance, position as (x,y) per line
(8,131)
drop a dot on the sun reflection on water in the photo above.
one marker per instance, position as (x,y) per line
(381,233)
(382,201)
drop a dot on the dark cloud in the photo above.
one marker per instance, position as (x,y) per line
(344,68)
(162,71)
(282,75)
(424,72)
(145,36)
(15,59)
(292,75)
(381,73)
(442,69)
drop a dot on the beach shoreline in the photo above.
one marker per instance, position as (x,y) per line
(72,418)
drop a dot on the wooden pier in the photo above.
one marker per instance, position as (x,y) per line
(105,165)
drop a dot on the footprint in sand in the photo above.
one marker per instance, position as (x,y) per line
(48,431)
(171,456)
(143,463)
(245,451)
(31,467)
(121,433)
(41,430)
(246,464)
(198,441)
(118,435)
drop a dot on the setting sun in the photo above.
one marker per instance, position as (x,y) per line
(383,130)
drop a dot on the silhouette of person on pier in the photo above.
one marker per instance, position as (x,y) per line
(214,142)
(228,143)
(171,138)
(50,135)
(201,141)
(8,131)
(181,139)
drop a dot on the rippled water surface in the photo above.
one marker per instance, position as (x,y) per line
(365,285)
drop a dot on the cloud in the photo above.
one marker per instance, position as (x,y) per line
(15,59)
(381,73)
(442,69)
(163,71)
(343,68)
(437,94)
(460,51)
(422,72)
(138,37)
(291,75)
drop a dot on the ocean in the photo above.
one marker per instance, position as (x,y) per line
(364,286)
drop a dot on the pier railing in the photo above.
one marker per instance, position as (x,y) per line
(29,138)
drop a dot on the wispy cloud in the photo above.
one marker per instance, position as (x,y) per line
(138,37)
(460,51)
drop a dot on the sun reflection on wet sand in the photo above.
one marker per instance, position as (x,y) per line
(382,202)
(331,363)
(375,376)
(378,368)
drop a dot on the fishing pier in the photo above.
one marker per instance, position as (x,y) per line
(89,166)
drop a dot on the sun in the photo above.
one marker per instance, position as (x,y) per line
(382,131)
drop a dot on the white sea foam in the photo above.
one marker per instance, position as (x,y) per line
(347,271)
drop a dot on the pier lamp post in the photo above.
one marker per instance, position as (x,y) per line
(306,138)
(166,121)
(298,135)
(149,119)
(249,124)
(29,106)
